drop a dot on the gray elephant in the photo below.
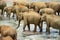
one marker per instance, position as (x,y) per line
(2,5)
(30,17)
(52,21)
(53,5)
(37,6)
(8,31)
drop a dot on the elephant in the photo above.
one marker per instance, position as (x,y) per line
(54,5)
(37,6)
(7,38)
(46,10)
(52,21)
(2,5)
(20,8)
(9,10)
(30,17)
(8,31)
(25,4)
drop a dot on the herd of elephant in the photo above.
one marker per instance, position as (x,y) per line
(32,13)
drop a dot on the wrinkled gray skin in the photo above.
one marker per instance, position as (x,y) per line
(8,31)
(2,5)
(30,17)
(0,14)
(9,10)
(53,5)
(47,11)
(52,21)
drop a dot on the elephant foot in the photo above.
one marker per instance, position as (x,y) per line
(34,30)
(41,30)
(59,31)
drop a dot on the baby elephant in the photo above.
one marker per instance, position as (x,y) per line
(30,17)
(7,38)
(46,10)
(52,21)
(8,31)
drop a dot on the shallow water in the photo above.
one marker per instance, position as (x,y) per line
(38,36)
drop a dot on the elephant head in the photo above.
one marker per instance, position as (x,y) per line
(47,11)
(43,17)
(19,18)
(32,5)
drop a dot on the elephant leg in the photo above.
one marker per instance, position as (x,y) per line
(2,12)
(6,14)
(48,28)
(59,31)
(13,15)
(41,26)
(28,27)
(16,18)
(15,37)
(9,16)
(25,23)
(35,28)
(18,23)
(24,27)
(58,13)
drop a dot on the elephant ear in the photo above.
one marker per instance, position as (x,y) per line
(44,16)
